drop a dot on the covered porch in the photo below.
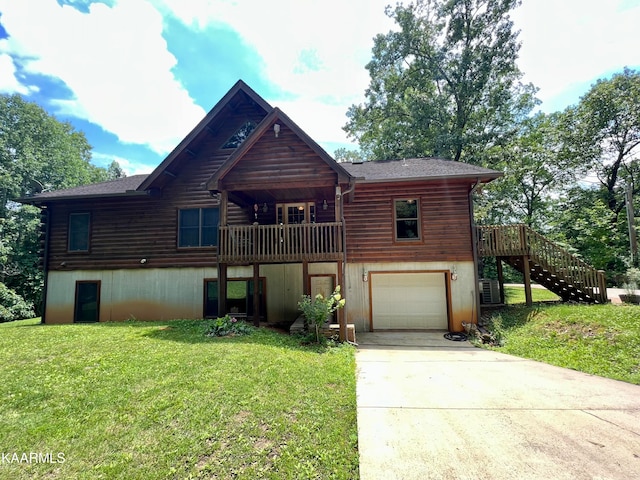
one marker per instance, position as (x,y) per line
(285,226)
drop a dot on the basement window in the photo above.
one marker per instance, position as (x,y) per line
(240,135)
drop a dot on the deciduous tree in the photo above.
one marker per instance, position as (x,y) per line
(444,84)
(36,152)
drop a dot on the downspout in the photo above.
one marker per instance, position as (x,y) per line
(474,245)
(343,321)
(45,259)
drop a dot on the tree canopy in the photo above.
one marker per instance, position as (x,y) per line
(446,84)
(36,148)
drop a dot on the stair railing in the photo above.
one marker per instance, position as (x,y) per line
(520,239)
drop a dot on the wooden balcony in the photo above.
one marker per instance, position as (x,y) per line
(313,242)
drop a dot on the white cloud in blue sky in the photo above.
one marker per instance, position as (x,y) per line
(137,75)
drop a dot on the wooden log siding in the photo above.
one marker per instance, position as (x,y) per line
(125,230)
(283,163)
(444,220)
(311,242)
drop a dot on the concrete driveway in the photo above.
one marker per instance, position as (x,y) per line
(430,408)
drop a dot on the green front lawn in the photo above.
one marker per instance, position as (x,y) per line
(598,339)
(145,400)
(515,295)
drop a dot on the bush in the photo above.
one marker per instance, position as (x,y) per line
(13,306)
(317,310)
(227,325)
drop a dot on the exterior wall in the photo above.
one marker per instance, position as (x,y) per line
(149,294)
(444,217)
(463,290)
(282,162)
(172,293)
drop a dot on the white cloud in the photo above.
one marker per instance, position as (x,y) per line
(115,62)
(321,121)
(129,167)
(569,43)
(314,51)
(9,83)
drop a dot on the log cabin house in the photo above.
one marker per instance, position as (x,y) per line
(247,214)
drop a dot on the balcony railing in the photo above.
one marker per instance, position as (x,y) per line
(314,242)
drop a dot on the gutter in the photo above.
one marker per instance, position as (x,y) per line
(474,246)
(35,200)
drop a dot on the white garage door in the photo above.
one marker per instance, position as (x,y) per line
(409,301)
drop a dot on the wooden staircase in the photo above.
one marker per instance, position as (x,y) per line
(542,261)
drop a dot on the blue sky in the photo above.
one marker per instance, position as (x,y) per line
(137,75)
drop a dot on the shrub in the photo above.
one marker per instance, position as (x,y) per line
(13,306)
(227,325)
(318,309)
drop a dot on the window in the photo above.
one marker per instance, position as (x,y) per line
(407,219)
(198,227)
(296,213)
(239,298)
(79,232)
(87,305)
(240,136)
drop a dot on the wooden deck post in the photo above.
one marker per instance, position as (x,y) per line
(341,318)
(256,294)
(306,283)
(222,289)
(527,280)
(500,278)
(602,287)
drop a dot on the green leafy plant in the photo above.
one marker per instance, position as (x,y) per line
(227,325)
(13,306)
(317,310)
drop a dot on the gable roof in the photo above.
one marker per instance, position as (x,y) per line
(275,116)
(112,188)
(239,88)
(412,169)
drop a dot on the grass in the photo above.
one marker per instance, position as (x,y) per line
(601,340)
(145,400)
(515,295)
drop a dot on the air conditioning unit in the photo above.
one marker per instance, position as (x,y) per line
(490,291)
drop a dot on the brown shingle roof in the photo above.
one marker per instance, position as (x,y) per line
(416,169)
(118,187)
(380,171)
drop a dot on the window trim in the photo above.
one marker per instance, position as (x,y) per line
(89,224)
(262,280)
(417,219)
(200,227)
(309,209)
(75,300)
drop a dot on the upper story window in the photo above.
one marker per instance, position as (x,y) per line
(407,219)
(79,228)
(240,136)
(198,227)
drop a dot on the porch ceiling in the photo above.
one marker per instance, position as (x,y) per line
(247,198)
